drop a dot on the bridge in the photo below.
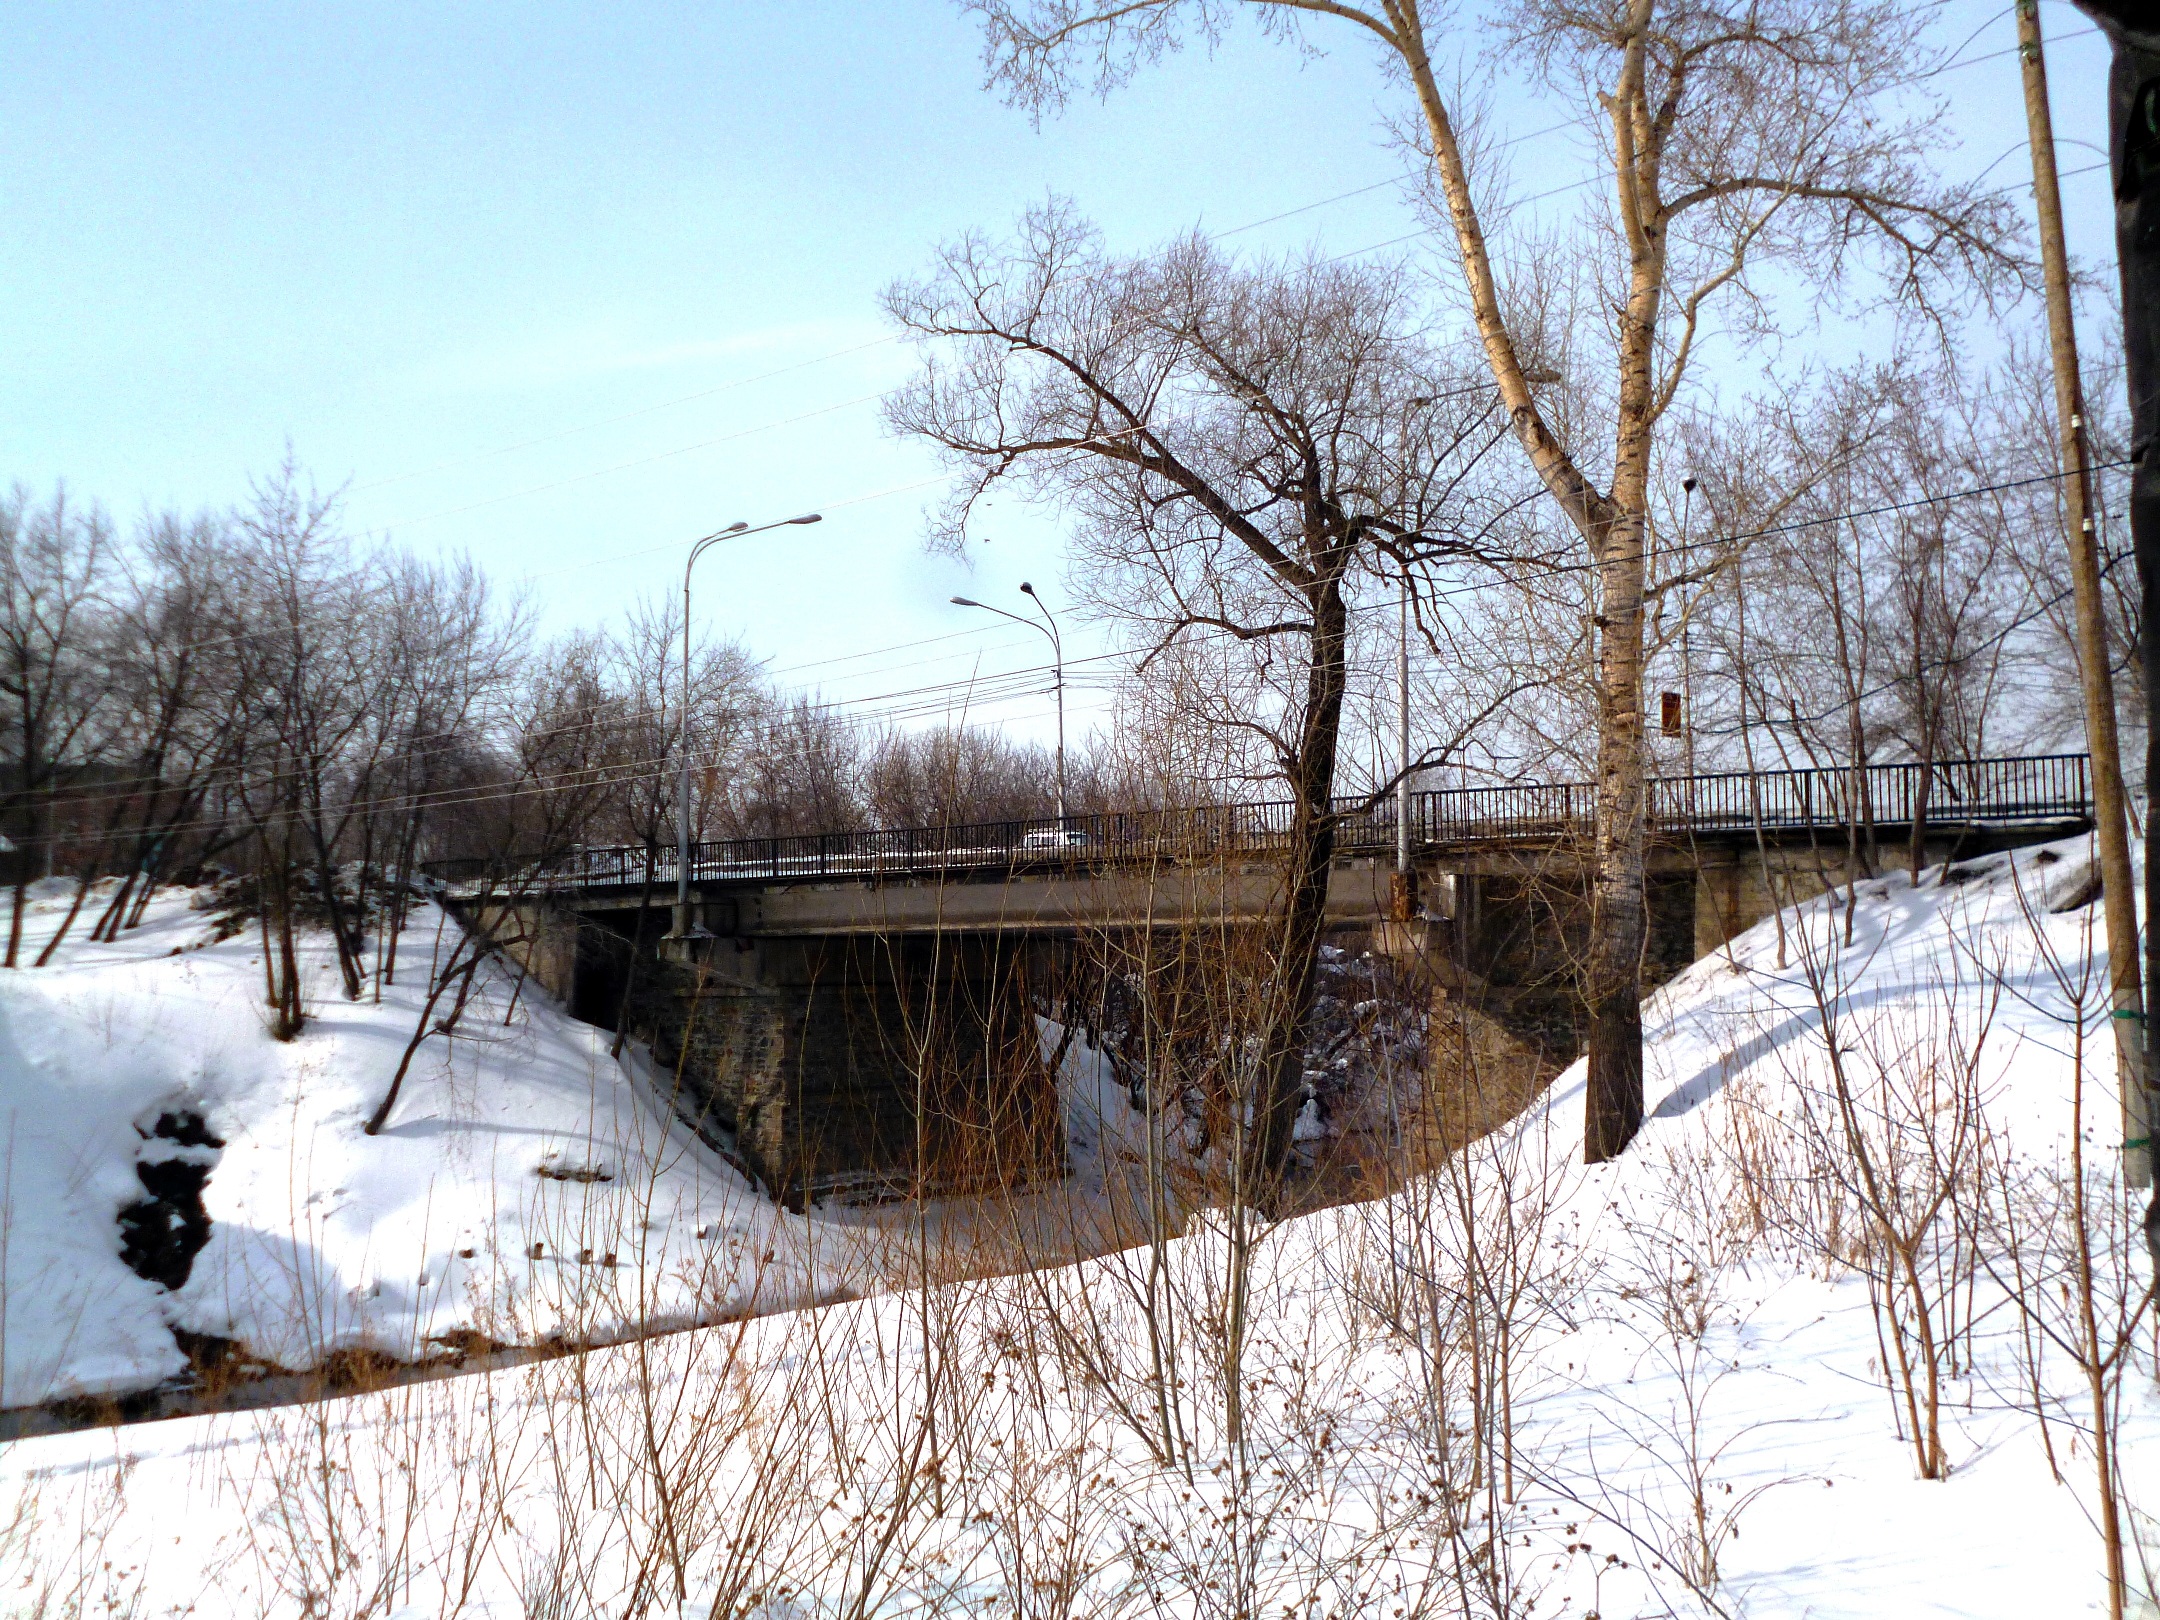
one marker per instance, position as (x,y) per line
(815,975)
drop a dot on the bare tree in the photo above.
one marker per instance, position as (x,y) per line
(642,670)
(797,771)
(175,716)
(452,654)
(52,566)
(955,775)
(1951,598)
(1240,449)
(310,632)
(1739,134)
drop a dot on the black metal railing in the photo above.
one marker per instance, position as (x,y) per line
(2055,787)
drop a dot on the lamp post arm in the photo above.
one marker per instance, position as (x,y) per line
(1017,618)
(1057,654)
(698,549)
(1057,673)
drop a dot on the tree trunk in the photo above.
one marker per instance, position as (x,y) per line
(400,896)
(459,971)
(1311,856)
(1619,914)
(83,880)
(20,901)
(1619,923)
(1613,527)
(2134,73)
(1923,794)
(350,964)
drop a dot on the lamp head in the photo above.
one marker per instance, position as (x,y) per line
(1540,376)
(809,517)
(1025,586)
(1687,484)
(736,527)
(965,601)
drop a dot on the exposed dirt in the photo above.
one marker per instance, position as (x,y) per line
(162,1232)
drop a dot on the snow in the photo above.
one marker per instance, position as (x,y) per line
(1677,1320)
(324,1239)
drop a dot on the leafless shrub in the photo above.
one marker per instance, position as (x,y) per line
(1673,1493)
(2067,1244)
(59,1547)
(1891,1130)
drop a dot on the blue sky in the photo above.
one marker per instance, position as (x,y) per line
(566,287)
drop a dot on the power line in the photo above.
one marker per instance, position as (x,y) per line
(1237,230)
(1798,524)
(641,461)
(626,416)
(997,687)
(1407,177)
(1929,666)
(936,697)
(1596,179)
(827,507)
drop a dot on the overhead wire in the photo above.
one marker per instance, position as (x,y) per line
(998,689)
(758,428)
(923,483)
(1546,570)
(641,461)
(626,416)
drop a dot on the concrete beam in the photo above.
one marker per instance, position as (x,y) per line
(1357,892)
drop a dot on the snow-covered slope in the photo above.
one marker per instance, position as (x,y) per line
(1693,1365)
(323,1238)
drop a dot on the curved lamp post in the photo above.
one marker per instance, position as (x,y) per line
(1048,626)
(734,531)
(1537,377)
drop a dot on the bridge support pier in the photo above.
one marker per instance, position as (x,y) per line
(1737,885)
(875,1065)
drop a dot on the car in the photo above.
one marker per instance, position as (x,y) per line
(1043,839)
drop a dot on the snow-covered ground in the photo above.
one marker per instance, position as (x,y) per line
(515,1149)
(1517,1386)
(527,1187)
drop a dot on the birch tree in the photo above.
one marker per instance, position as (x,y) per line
(1735,136)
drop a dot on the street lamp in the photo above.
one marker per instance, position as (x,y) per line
(1536,377)
(1057,668)
(1402,672)
(734,531)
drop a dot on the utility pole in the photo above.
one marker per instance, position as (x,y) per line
(2119,895)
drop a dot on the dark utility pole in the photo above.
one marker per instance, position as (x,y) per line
(2111,825)
(2134,164)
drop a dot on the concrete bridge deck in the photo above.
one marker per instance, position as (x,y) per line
(1221,862)
(848,992)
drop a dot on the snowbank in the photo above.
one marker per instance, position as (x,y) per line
(1697,1369)
(515,1149)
